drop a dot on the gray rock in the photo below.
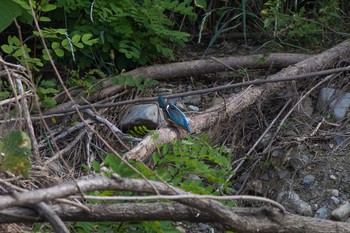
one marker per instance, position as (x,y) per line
(341,213)
(335,200)
(339,139)
(138,115)
(332,177)
(345,179)
(265,177)
(337,101)
(193,108)
(335,192)
(306,158)
(322,213)
(292,202)
(284,174)
(308,181)
(277,153)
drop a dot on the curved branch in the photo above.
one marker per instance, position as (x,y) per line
(262,219)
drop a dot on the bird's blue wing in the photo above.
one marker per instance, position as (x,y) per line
(177,116)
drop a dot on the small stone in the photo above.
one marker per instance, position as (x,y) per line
(308,181)
(322,213)
(341,213)
(335,192)
(335,200)
(305,158)
(339,139)
(277,153)
(332,177)
(336,100)
(265,177)
(284,174)
(345,179)
(292,202)
(193,108)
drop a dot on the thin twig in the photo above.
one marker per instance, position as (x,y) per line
(202,91)
(179,197)
(298,104)
(28,120)
(13,99)
(60,153)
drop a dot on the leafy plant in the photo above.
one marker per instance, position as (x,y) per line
(129,32)
(88,80)
(46,90)
(191,164)
(15,149)
(194,165)
(140,130)
(303,22)
(21,54)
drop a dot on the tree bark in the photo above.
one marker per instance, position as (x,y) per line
(189,68)
(237,102)
(262,219)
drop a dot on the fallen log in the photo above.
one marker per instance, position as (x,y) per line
(264,219)
(237,102)
(186,69)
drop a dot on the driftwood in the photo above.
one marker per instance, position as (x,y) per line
(186,69)
(237,102)
(263,219)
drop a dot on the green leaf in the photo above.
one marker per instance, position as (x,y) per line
(7,48)
(96,166)
(59,52)
(9,10)
(138,83)
(201,4)
(44,19)
(76,38)
(15,41)
(55,45)
(48,7)
(86,37)
(49,102)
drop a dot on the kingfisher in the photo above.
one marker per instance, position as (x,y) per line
(173,115)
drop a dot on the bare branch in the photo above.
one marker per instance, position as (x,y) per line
(261,219)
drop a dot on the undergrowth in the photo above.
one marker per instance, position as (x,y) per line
(192,164)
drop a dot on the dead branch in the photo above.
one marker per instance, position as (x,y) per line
(214,208)
(261,218)
(183,69)
(237,102)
